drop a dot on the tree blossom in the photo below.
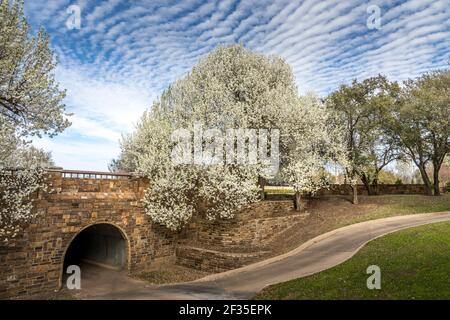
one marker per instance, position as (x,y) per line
(17,188)
(232,88)
(30,98)
(30,104)
(312,141)
(21,175)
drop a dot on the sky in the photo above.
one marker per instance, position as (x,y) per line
(119,56)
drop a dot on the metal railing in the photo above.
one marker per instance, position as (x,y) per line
(99,175)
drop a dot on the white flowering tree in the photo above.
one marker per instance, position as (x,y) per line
(17,191)
(313,142)
(30,99)
(21,175)
(231,88)
(30,105)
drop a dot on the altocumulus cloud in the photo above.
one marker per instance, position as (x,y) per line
(127,52)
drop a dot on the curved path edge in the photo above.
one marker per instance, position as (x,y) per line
(326,235)
(318,254)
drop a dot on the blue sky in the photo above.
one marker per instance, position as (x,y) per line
(126,52)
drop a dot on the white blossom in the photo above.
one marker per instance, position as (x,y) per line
(17,188)
(232,88)
(30,104)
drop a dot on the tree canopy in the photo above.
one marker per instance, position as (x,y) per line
(30,98)
(359,107)
(420,123)
(231,88)
(30,105)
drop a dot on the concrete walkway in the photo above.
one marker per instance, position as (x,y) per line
(318,254)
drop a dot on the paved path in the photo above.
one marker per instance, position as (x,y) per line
(316,255)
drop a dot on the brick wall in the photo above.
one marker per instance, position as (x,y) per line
(213,260)
(32,264)
(221,245)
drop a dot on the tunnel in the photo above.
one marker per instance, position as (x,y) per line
(102,245)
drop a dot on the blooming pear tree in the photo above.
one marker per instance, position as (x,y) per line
(30,105)
(231,92)
(312,142)
(17,188)
(21,176)
(30,98)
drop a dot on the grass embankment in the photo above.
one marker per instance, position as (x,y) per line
(395,205)
(414,263)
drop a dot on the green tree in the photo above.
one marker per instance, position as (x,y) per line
(388,177)
(359,107)
(420,122)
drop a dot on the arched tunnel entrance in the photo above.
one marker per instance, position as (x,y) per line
(102,245)
(101,251)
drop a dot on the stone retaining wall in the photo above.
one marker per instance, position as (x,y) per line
(228,244)
(214,261)
(251,228)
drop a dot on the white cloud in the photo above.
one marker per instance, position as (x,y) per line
(115,105)
(102,112)
(121,60)
(79,154)
(92,129)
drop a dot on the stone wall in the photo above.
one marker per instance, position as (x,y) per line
(250,228)
(221,245)
(32,264)
(214,260)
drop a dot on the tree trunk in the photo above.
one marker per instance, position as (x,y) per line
(375,186)
(297,204)
(372,188)
(426,180)
(262,183)
(437,192)
(355,193)
(366,183)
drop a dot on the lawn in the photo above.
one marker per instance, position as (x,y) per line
(414,263)
(395,205)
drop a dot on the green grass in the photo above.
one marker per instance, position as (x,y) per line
(278,190)
(396,205)
(414,263)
